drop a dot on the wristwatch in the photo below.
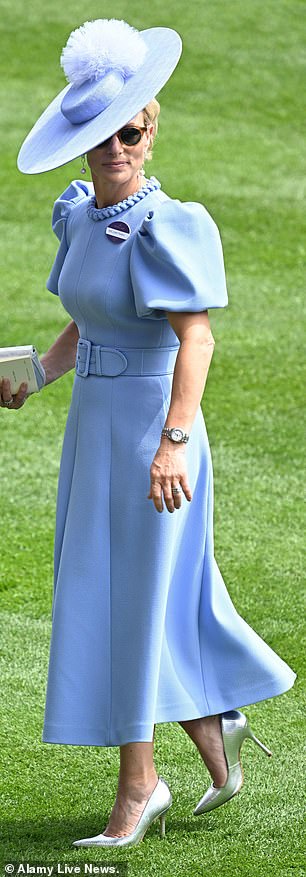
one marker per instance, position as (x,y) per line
(175,434)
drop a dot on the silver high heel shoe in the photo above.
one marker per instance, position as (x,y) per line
(157,804)
(235,728)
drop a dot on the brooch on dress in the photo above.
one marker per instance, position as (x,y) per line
(118,231)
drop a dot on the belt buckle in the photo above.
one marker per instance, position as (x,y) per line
(83,343)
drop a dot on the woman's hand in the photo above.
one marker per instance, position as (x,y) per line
(169,470)
(16,399)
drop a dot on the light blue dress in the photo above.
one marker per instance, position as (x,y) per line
(143,628)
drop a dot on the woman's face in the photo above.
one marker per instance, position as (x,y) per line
(113,161)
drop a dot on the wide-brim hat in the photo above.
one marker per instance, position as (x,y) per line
(114,72)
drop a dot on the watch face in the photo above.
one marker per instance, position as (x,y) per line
(177,434)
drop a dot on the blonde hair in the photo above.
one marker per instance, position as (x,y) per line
(151,113)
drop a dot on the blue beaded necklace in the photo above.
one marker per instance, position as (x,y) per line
(97,213)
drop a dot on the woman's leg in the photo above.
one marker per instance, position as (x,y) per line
(206,734)
(137,779)
(138,776)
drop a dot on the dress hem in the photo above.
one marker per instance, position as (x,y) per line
(140,732)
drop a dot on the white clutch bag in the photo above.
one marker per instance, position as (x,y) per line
(20,364)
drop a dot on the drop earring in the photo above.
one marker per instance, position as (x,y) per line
(83,168)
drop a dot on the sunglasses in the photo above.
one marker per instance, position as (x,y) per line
(129,136)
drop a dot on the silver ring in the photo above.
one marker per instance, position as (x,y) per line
(176,490)
(9,403)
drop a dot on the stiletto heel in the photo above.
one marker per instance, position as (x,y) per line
(261,745)
(162,825)
(156,807)
(235,729)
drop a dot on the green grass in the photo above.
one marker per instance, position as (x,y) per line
(230,137)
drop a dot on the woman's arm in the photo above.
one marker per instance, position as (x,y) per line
(189,379)
(191,368)
(60,358)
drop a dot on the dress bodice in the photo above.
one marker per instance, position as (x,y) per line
(119,269)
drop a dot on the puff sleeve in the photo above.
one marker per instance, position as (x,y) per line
(177,261)
(76,191)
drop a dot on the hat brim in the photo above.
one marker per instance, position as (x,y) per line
(54,141)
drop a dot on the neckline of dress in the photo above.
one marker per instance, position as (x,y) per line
(97,213)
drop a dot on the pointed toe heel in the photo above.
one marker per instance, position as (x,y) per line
(235,729)
(156,807)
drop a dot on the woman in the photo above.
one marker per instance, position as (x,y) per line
(144,630)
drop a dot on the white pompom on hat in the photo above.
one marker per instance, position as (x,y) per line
(99,46)
(113,72)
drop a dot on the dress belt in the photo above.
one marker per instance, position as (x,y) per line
(95,359)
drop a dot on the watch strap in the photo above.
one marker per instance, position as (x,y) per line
(167,432)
